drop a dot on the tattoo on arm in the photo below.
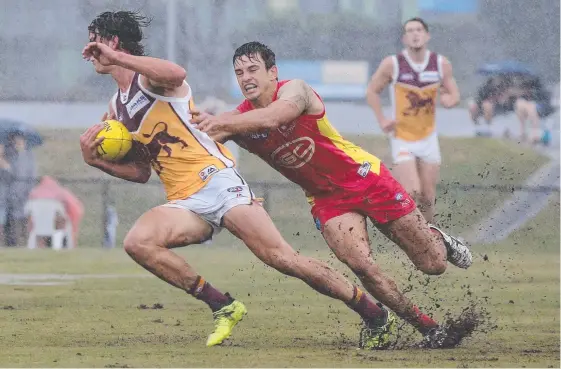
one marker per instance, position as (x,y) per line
(297,92)
(301,101)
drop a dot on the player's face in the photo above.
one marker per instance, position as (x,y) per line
(253,77)
(94,37)
(415,36)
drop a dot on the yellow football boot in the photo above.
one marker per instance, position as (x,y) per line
(375,334)
(225,320)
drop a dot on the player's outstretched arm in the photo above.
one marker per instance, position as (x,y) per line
(134,167)
(379,81)
(158,72)
(294,99)
(197,117)
(450,93)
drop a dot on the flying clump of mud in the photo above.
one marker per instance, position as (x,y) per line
(473,318)
(456,329)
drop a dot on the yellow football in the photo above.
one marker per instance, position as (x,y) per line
(117,141)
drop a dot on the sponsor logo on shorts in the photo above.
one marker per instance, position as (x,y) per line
(405,201)
(207,172)
(294,154)
(429,77)
(137,103)
(235,189)
(318,223)
(364,169)
(403,153)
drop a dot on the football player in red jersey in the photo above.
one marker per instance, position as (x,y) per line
(285,124)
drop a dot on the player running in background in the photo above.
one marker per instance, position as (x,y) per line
(204,190)
(285,124)
(415,75)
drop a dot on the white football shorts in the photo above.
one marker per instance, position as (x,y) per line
(225,190)
(427,149)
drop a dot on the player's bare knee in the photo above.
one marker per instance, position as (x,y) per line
(137,244)
(371,273)
(356,261)
(282,260)
(426,197)
(437,267)
(362,267)
(431,265)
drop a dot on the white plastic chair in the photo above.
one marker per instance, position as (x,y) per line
(43,214)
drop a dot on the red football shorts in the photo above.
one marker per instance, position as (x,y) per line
(382,201)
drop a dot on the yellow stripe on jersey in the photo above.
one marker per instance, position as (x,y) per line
(353,151)
(186,158)
(415,111)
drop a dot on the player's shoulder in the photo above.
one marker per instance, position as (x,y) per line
(441,58)
(294,87)
(387,65)
(389,61)
(293,84)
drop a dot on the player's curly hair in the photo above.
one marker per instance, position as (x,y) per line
(253,48)
(127,25)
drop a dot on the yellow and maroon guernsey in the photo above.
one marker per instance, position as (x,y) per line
(413,91)
(183,157)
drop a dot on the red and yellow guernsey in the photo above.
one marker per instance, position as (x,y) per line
(311,153)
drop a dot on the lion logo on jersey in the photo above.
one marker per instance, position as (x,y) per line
(163,138)
(418,103)
(161,141)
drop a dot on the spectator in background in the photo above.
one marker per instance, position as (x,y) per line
(533,104)
(5,174)
(24,171)
(492,99)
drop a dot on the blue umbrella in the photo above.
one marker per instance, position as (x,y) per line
(505,67)
(10,128)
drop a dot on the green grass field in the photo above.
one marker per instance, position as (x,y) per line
(96,322)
